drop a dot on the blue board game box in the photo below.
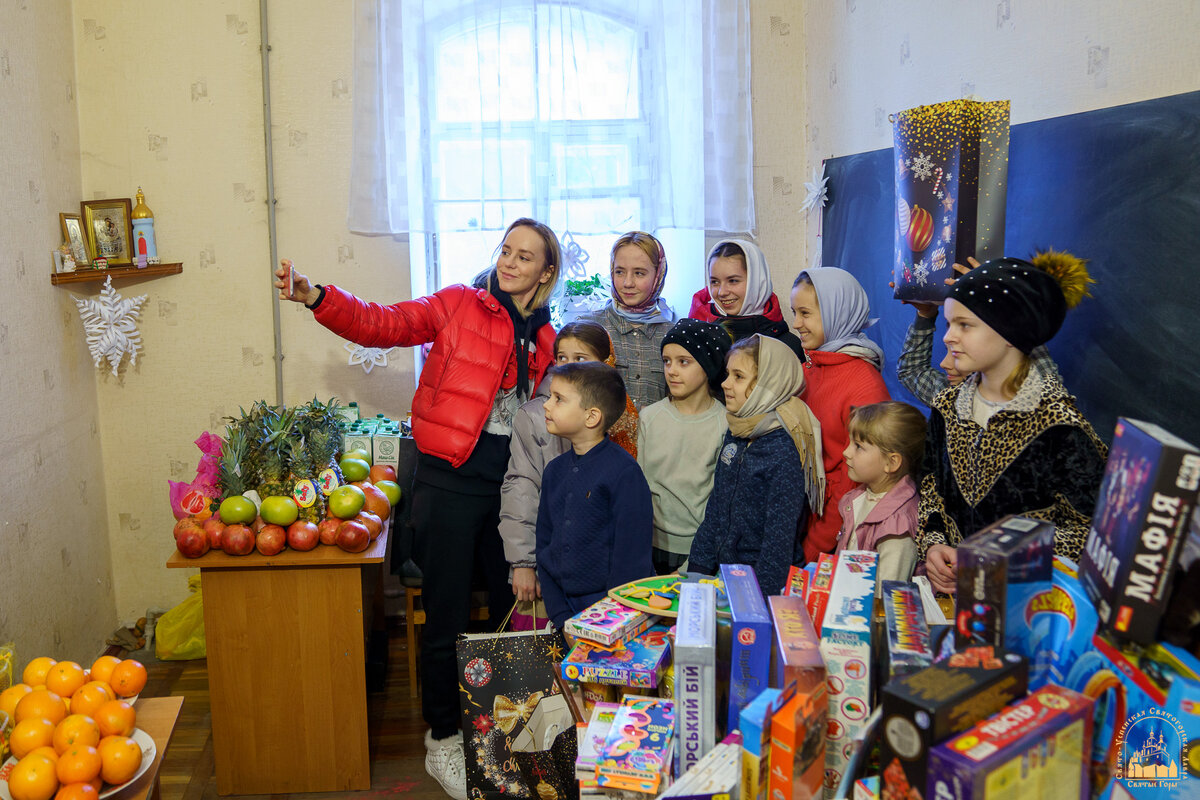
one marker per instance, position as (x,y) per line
(750,658)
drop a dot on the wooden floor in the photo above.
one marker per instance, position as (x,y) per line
(396,732)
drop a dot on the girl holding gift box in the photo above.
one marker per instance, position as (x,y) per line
(491,345)
(637,318)
(1009,439)
(769,468)
(842,371)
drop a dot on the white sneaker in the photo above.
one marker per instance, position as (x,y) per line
(446,764)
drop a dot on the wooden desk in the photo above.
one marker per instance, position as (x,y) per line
(286,668)
(157,717)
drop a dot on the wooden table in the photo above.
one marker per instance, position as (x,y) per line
(286,667)
(157,717)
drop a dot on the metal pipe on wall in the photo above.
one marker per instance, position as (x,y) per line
(265,50)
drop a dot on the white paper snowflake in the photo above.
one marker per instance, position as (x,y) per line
(111,326)
(921,272)
(816,191)
(922,166)
(368,357)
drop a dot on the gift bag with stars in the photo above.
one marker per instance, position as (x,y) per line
(951,182)
(512,704)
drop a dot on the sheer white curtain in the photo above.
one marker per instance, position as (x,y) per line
(595,116)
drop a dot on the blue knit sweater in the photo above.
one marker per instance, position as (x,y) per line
(756,507)
(594,528)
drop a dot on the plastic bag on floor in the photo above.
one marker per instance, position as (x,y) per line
(179,634)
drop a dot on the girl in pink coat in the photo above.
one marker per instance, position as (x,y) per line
(886,443)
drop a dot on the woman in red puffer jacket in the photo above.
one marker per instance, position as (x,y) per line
(491,345)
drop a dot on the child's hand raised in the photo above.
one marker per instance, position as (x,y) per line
(961,270)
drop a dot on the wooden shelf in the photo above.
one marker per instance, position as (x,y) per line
(99,275)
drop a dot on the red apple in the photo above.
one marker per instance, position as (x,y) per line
(237,540)
(353,536)
(192,542)
(303,535)
(185,524)
(327,530)
(271,540)
(215,530)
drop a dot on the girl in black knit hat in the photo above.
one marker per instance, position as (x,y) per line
(1009,439)
(680,435)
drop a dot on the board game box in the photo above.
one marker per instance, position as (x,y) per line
(608,622)
(846,649)
(695,674)
(750,654)
(638,745)
(755,725)
(798,744)
(797,582)
(945,698)
(591,741)
(714,777)
(638,663)
(908,646)
(1141,521)
(1039,747)
(797,664)
(817,595)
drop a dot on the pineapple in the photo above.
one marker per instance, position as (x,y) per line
(303,469)
(233,456)
(275,430)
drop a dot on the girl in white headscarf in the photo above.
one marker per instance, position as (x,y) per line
(738,295)
(769,469)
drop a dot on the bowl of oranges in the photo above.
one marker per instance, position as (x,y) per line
(72,732)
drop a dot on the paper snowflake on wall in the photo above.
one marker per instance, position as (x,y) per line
(816,191)
(111,326)
(368,357)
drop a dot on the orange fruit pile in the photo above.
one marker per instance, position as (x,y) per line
(72,727)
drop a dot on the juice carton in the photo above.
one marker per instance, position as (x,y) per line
(755,725)
(638,746)
(927,707)
(386,444)
(1039,747)
(750,655)
(638,663)
(797,665)
(817,597)
(908,645)
(608,622)
(1146,498)
(357,438)
(695,665)
(998,568)
(798,743)
(846,648)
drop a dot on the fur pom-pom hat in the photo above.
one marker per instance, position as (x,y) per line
(1025,302)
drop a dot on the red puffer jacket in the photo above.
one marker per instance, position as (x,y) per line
(472,357)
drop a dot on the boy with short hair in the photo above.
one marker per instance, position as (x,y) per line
(595,518)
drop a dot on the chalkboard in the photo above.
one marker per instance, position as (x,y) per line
(1119,186)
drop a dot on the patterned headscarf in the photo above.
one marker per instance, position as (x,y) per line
(653,308)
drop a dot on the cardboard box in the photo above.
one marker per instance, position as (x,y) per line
(927,707)
(638,663)
(755,725)
(608,622)
(358,439)
(637,749)
(846,648)
(798,744)
(1052,628)
(715,777)
(796,584)
(817,596)
(750,652)
(1037,748)
(797,665)
(1146,499)
(908,646)
(1011,557)
(695,674)
(386,446)
(591,742)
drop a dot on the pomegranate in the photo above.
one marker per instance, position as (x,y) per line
(372,521)
(303,535)
(271,540)
(377,502)
(327,530)
(192,542)
(353,536)
(214,528)
(185,524)
(237,540)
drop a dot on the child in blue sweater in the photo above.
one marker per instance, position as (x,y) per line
(769,471)
(595,517)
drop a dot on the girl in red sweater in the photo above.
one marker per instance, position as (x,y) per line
(841,372)
(491,345)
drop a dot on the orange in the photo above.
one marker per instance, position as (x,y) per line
(120,758)
(46,751)
(77,791)
(45,704)
(65,678)
(33,778)
(115,718)
(79,765)
(77,730)
(29,735)
(91,697)
(10,696)
(35,671)
(128,678)
(102,668)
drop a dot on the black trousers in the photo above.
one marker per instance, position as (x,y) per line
(456,537)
